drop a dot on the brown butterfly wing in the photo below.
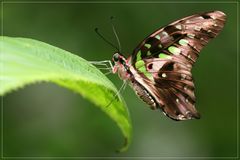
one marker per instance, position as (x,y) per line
(169,53)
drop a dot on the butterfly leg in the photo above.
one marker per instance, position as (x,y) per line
(103,63)
(107,64)
(118,92)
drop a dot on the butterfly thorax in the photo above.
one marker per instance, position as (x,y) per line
(126,72)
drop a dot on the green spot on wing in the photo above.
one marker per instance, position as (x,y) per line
(158,37)
(139,64)
(174,50)
(183,42)
(139,56)
(142,69)
(163,55)
(147,45)
(149,53)
(148,75)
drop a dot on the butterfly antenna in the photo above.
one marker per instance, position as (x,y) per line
(108,42)
(115,33)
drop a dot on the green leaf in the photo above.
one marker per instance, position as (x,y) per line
(27,61)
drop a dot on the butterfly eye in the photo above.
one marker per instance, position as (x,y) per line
(115,57)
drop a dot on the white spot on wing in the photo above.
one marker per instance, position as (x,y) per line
(189,65)
(181,117)
(164,75)
(197,28)
(185,88)
(213,17)
(177,100)
(164,33)
(190,35)
(178,26)
(183,76)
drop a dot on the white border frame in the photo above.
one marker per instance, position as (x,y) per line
(125,2)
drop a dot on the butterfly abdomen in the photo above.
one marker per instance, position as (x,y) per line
(144,95)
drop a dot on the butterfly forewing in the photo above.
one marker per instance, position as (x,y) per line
(165,58)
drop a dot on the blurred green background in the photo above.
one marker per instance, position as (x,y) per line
(47,120)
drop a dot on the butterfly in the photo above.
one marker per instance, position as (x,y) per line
(159,69)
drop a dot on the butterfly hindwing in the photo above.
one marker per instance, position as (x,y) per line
(165,58)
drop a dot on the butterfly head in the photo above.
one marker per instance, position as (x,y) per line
(119,62)
(121,65)
(116,57)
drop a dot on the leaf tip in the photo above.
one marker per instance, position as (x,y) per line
(124,147)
